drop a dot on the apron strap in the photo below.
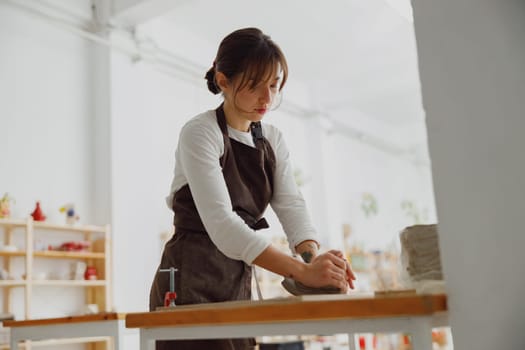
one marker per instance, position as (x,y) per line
(259,294)
(257,133)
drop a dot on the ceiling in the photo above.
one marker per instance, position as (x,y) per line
(352,55)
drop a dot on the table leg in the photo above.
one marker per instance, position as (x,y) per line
(13,342)
(118,341)
(422,333)
(146,343)
(351,341)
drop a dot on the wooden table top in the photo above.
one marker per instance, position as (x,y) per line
(306,308)
(103,316)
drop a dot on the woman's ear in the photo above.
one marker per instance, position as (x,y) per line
(221,81)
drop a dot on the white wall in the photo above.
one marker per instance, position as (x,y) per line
(390,180)
(45,116)
(471,57)
(46,144)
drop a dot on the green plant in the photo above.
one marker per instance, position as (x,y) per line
(369,204)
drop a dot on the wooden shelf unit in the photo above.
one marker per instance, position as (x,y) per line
(99,255)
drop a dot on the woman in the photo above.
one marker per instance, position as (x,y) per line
(228,168)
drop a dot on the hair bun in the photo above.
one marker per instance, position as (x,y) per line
(210,77)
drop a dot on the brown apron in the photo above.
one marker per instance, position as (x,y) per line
(205,275)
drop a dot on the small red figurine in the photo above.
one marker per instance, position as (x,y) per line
(91,273)
(37,213)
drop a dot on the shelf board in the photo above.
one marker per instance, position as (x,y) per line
(59,283)
(70,283)
(51,342)
(13,222)
(68,255)
(53,226)
(12,253)
(12,283)
(56,254)
(69,228)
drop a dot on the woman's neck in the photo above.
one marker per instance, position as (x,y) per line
(233,119)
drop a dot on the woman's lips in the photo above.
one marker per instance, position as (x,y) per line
(260,110)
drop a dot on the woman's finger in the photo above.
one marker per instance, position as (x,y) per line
(336,260)
(337,276)
(351,284)
(340,274)
(337,253)
(337,282)
(350,272)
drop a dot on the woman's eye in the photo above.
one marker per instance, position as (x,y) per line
(255,87)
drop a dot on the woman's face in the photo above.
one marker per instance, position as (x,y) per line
(252,102)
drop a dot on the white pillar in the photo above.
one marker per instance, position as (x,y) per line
(325,207)
(101,160)
(471,58)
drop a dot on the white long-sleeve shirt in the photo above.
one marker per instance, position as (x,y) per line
(197,156)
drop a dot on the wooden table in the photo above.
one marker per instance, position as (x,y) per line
(308,315)
(87,326)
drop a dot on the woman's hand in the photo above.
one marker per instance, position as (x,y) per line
(328,269)
(324,270)
(350,276)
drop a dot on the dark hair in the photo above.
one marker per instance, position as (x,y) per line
(250,54)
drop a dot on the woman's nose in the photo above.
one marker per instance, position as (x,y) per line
(266,95)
